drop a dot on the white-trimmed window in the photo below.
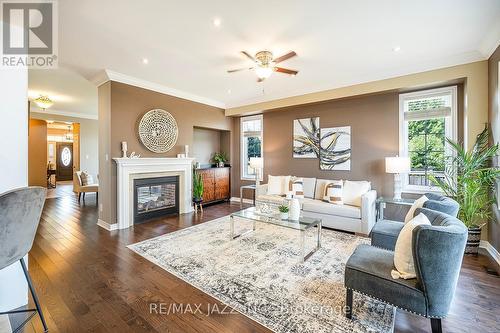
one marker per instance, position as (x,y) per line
(251,143)
(426,119)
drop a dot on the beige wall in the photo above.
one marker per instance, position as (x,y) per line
(105,162)
(37,153)
(121,107)
(494,118)
(476,93)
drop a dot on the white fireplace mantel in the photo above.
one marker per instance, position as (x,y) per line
(128,169)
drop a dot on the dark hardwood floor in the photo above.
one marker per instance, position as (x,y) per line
(87,280)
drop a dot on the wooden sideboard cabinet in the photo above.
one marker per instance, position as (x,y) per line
(216,184)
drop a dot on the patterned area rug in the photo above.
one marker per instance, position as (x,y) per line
(261,276)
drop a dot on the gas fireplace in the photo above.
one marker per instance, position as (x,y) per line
(155,197)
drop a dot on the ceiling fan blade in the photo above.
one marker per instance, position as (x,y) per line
(248,56)
(285,70)
(285,57)
(239,69)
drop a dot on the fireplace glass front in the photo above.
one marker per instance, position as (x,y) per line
(155,197)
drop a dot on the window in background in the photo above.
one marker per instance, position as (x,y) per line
(427,118)
(251,144)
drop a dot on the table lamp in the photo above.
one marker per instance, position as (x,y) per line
(397,165)
(257,163)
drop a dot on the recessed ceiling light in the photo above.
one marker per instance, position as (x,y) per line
(396,48)
(229,91)
(145,61)
(217,22)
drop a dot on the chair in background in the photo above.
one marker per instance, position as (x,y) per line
(79,188)
(438,250)
(51,172)
(386,232)
(20,212)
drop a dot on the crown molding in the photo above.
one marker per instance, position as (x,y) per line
(416,79)
(65,114)
(109,75)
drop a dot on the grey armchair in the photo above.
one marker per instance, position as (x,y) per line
(437,252)
(20,212)
(385,232)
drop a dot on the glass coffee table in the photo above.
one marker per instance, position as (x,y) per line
(303,225)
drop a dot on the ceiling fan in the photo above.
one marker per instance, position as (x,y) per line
(265,64)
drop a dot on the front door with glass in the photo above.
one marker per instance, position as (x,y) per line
(64,161)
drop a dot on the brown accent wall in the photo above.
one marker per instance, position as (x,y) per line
(37,153)
(374,121)
(120,108)
(206,142)
(494,120)
(129,103)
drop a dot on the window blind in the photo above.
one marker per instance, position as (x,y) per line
(441,112)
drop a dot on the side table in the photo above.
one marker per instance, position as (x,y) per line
(249,187)
(382,201)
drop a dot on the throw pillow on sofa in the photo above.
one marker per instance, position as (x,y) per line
(403,252)
(353,190)
(309,187)
(319,191)
(333,192)
(419,203)
(297,187)
(278,185)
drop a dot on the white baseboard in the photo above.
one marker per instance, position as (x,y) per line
(495,255)
(106,225)
(237,199)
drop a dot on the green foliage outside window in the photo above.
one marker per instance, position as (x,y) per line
(426,144)
(426,138)
(253,148)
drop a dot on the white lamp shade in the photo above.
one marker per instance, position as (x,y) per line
(397,164)
(256,162)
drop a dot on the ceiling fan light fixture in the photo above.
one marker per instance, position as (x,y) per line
(263,72)
(44,102)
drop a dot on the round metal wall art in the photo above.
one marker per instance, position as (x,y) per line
(158,130)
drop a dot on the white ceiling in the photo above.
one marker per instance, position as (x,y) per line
(72,94)
(338,43)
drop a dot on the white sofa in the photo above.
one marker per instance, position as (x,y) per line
(342,217)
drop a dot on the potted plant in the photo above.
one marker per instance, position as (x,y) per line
(220,159)
(197,188)
(283,212)
(469,178)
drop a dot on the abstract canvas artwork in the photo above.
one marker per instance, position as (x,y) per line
(306,138)
(335,148)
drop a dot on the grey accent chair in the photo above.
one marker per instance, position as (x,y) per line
(20,212)
(385,232)
(438,250)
